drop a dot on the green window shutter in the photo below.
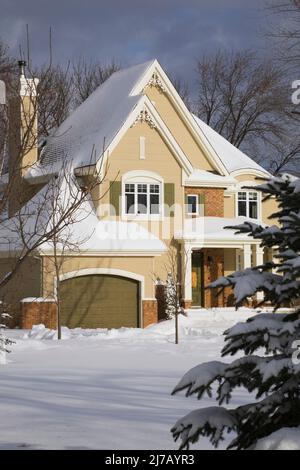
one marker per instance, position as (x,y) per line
(201,203)
(169,190)
(114,196)
(186,204)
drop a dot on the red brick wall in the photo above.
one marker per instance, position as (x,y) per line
(214,200)
(34,313)
(150,314)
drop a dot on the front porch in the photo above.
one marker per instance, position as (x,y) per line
(208,252)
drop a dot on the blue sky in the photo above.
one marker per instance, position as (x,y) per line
(175,32)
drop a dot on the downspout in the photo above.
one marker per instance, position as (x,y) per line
(41,259)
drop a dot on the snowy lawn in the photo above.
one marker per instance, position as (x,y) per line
(99,389)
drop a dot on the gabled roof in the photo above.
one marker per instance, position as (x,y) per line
(89,130)
(97,125)
(233,158)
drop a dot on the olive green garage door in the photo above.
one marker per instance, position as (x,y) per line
(99,301)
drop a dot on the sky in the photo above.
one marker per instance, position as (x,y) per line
(175,32)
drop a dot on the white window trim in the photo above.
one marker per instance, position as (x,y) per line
(259,203)
(142,177)
(197,205)
(239,260)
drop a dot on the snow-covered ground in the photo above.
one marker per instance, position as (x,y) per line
(99,389)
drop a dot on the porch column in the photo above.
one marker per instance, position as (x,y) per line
(186,272)
(247,252)
(259,260)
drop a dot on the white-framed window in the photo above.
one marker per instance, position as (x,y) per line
(143,199)
(248,204)
(192,204)
(239,260)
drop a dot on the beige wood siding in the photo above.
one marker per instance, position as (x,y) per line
(141,265)
(26,281)
(179,130)
(267,207)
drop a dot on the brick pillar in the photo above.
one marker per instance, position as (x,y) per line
(161,301)
(150,314)
(34,313)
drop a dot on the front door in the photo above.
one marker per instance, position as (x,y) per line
(197,279)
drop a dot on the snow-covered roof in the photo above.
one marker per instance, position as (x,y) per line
(89,130)
(82,231)
(207,178)
(232,158)
(113,236)
(212,229)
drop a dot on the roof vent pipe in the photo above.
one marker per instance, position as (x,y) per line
(22,64)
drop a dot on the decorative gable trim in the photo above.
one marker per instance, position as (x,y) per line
(144,111)
(203,142)
(156,82)
(144,116)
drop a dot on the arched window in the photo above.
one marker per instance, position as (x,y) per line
(142,194)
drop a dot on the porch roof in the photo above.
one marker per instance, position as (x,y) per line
(210,230)
(207,178)
(80,233)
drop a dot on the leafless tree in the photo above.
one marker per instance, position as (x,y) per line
(182,89)
(32,220)
(239,96)
(88,75)
(284,31)
(247,101)
(69,201)
(54,97)
(46,223)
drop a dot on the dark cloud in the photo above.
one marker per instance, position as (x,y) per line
(131,31)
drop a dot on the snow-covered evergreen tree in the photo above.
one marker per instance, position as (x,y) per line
(171,297)
(4,341)
(274,376)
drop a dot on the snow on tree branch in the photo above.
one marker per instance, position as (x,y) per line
(274,373)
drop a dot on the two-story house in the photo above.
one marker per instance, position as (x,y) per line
(169,185)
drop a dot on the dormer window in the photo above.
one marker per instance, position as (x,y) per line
(248,204)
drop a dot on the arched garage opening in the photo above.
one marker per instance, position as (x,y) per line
(100,299)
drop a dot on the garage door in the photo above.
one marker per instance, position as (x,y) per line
(99,301)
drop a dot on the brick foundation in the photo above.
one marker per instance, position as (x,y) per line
(150,314)
(34,313)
